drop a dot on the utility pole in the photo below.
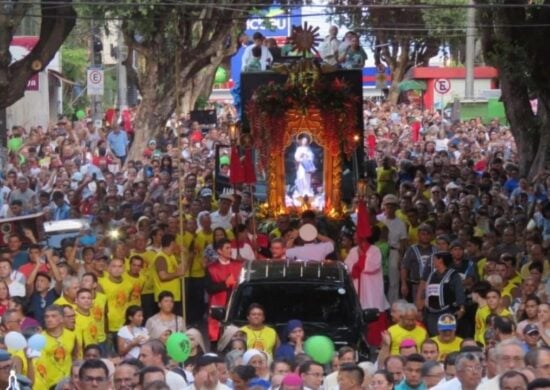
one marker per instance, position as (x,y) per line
(96,62)
(122,81)
(470,49)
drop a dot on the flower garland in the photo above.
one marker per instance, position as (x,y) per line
(266,113)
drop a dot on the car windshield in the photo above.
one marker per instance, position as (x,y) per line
(309,302)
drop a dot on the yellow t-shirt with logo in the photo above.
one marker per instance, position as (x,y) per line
(262,340)
(62,301)
(98,312)
(447,348)
(85,331)
(202,240)
(398,334)
(174,285)
(54,363)
(481,323)
(21,356)
(118,296)
(137,288)
(148,257)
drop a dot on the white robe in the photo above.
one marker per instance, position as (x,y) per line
(303,178)
(371,294)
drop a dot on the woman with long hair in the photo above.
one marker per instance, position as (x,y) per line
(132,334)
(197,347)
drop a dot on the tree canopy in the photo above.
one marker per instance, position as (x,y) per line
(402,33)
(57,21)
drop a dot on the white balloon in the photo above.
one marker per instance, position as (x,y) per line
(15,341)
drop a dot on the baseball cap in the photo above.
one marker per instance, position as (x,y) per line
(446,322)
(203,193)
(457,244)
(308,232)
(530,329)
(390,199)
(407,343)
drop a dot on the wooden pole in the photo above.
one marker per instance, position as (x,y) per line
(180,172)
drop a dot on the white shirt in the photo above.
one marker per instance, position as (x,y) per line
(219,386)
(397,230)
(453,384)
(265,59)
(246,252)
(491,384)
(128,335)
(223,221)
(175,381)
(16,289)
(329,50)
(311,251)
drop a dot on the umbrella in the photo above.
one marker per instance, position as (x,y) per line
(412,85)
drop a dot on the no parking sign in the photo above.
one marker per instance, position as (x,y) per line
(442,86)
(95,81)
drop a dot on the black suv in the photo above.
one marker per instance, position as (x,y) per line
(320,294)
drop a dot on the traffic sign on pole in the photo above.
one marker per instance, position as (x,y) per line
(442,86)
(95,81)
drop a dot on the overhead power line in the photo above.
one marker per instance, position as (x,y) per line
(246,6)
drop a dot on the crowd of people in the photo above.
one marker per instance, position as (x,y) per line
(455,260)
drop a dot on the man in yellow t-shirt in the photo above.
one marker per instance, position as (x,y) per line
(195,277)
(406,328)
(86,326)
(148,256)
(71,284)
(56,358)
(98,309)
(136,278)
(258,335)
(168,272)
(118,292)
(446,339)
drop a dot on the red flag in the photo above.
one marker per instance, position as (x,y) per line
(248,167)
(236,173)
(364,229)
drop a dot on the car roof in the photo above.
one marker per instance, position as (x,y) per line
(293,270)
(66,225)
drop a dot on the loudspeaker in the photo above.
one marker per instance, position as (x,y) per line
(204,117)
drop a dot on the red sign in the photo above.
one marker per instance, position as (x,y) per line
(442,86)
(33,84)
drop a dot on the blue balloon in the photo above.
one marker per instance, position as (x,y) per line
(37,342)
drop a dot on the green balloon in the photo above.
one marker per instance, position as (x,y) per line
(224,160)
(320,349)
(221,75)
(80,114)
(178,347)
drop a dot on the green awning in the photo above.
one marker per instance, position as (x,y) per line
(412,85)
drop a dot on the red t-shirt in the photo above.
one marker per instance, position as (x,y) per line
(28,268)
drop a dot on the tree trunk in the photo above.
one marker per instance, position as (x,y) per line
(57,22)
(398,73)
(158,87)
(200,85)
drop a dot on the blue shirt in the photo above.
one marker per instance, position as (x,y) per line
(38,304)
(62,212)
(118,142)
(19,259)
